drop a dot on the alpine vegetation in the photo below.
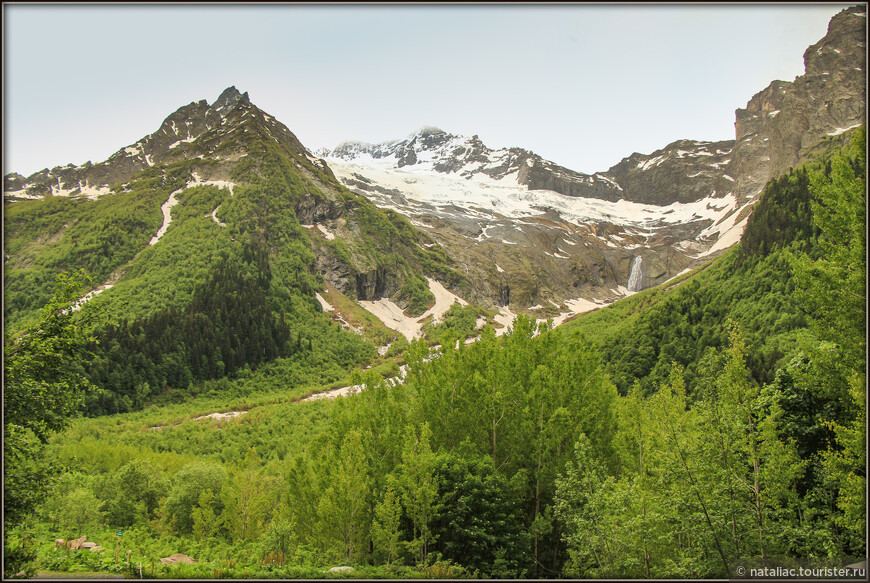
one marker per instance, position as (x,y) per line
(229,356)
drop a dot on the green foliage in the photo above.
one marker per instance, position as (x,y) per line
(185,493)
(80,510)
(43,388)
(229,324)
(52,235)
(832,289)
(418,483)
(479,526)
(458,322)
(699,487)
(342,508)
(386,529)
(133,493)
(782,218)
(415,293)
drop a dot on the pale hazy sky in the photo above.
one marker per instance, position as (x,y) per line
(582,85)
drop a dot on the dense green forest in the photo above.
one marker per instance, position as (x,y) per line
(718,418)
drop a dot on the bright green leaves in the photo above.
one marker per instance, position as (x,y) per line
(343,507)
(43,382)
(386,526)
(186,494)
(416,295)
(699,486)
(133,493)
(43,388)
(832,288)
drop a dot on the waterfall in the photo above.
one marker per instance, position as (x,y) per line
(635,277)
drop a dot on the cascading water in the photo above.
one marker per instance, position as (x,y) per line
(635,276)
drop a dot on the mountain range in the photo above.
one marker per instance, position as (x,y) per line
(501,228)
(202,298)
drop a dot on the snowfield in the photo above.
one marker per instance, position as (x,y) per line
(483,197)
(395,319)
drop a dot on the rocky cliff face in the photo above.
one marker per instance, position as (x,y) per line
(782,124)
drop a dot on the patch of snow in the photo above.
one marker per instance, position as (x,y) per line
(326,232)
(166,208)
(215,219)
(84,190)
(728,237)
(20,194)
(344,391)
(578,306)
(839,131)
(221,416)
(327,307)
(504,317)
(89,296)
(179,142)
(609,181)
(394,318)
(197,181)
(506,197)
(652,162)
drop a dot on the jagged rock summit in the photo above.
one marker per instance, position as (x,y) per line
(785,123)
(215,124)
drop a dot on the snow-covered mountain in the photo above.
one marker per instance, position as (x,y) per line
(526,232)
(540,233)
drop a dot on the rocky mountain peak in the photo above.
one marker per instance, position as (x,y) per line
(782,124)
(196,130)
(229,98)
(838,48)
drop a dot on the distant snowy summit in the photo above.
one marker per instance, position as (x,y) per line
(436,151)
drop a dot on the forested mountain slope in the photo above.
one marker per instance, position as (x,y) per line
(517,455)
(716,418)
(227,278)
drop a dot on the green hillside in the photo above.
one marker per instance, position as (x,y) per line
(718,418)
(231,283)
